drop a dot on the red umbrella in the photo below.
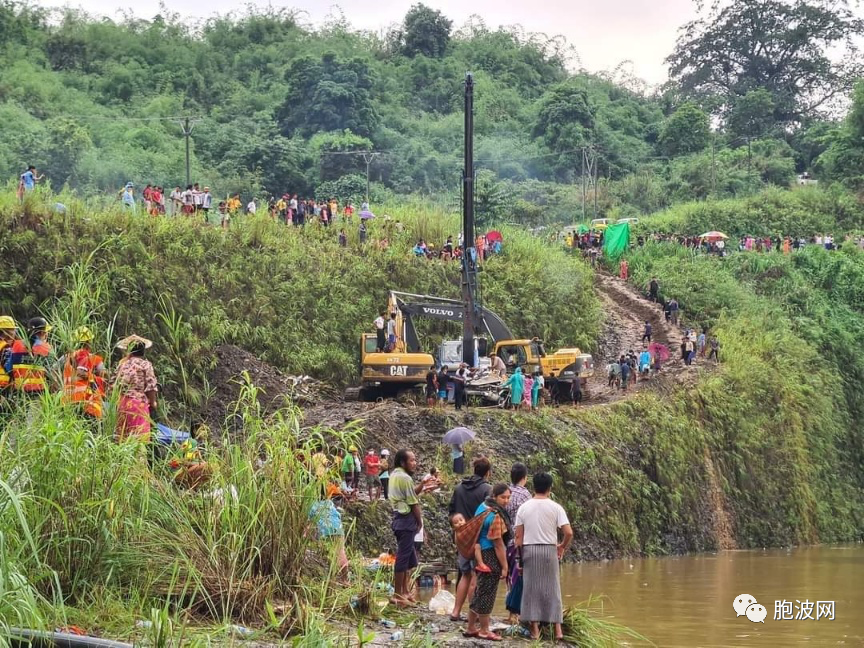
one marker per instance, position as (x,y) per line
(493,236)
(660,351)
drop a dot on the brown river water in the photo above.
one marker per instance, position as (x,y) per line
(688,600)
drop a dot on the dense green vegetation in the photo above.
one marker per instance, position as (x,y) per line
(291,296)
(778,421)
(281,106)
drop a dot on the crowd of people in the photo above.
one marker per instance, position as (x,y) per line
(198,201)
(484,246)
(31,366)
(501,532)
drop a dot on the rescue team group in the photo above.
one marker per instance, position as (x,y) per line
(30,367)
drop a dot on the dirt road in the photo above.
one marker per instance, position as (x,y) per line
(626,313)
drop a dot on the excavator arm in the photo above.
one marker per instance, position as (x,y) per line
(409,306)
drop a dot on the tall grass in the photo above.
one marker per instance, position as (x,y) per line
(87,523)
(293,297)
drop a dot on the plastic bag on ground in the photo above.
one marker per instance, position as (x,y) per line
(442,602)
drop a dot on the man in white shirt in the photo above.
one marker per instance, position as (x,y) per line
(176,201)
(381,335)
(537,523)
(206,202)
(251,208)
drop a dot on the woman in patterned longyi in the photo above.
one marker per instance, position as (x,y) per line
(136,381)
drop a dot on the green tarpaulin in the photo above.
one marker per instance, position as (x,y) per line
(582,229)
(616,240)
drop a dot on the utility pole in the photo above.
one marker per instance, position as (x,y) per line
(595,183)
(584,186)
(713,165)
(469,262)
(589,164)
(368,156)
(187,132)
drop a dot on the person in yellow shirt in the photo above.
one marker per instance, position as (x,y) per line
(334,209)
(281,206)
(233,204)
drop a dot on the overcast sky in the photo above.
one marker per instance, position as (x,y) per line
(603,33)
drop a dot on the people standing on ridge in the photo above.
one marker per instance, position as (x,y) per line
(373,480)
(653,289)
(27,182)
(384,475)
(495,533)
(84,376)
(31,359)
(528,386)
(406,523)
(351,468)
(137,384)
(431,387)
(537,526)
(673,311)
(127,196)
(518,496)
(624,363)
(467,496)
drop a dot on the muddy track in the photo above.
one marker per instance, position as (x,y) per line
(626,313)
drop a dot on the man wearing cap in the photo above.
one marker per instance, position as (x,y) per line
(30,362)
(7,339)
(351,468)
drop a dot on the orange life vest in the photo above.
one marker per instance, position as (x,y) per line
(29,373)
(5,378)
(83,389)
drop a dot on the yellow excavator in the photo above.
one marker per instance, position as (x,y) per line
(404,368)
(394,371)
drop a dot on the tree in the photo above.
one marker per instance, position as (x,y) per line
(490,199)
(337,154)
(424,31)
(844,159)
(684,131)
(752,115)
(565,123)
(328,95)
(780,46)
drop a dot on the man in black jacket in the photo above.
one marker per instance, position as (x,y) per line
(466,498)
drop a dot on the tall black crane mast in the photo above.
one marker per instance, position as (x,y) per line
(469,253)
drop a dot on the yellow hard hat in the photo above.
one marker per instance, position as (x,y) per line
(7,323)
(83,334)
(352,449)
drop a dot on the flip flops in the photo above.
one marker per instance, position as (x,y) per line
(489,637)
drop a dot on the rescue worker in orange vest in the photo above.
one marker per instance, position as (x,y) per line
(84,375)
(7,339)
(30,360)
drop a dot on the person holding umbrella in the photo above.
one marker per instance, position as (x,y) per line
(456,438)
